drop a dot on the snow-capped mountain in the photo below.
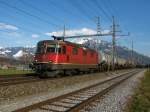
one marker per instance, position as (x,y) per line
(16,52)
(19,53)
(85,40)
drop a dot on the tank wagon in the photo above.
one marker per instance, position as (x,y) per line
(105,62)
(61,56)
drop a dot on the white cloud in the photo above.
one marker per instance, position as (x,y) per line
(35,36)
(5,26)
(82,31)
(75,32)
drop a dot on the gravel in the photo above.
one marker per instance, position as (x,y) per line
(116,99)
(17,96)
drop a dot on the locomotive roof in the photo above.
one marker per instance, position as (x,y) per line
(65,42)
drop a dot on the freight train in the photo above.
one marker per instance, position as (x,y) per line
(61,56)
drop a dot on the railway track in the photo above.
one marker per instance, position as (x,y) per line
(6,81)
(20,79)
(78,100)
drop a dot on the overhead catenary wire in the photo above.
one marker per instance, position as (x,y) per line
(20,10)
(81,10)
(102,10)
(29,14)
(39,10)
(109,10)
(93,9)
(71,13)
(90,8)
(112,7)
(21,25)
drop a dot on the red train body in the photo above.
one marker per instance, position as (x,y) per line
(53,55)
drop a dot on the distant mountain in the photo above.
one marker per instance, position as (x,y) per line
(121,51)
(16,52)
(19,54)
(26,53)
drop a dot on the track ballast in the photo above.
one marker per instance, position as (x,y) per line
(78,100)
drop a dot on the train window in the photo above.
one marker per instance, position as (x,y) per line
(84,53)
(50,49)
(64,49)
(41,48)
(75,51)
(59,50)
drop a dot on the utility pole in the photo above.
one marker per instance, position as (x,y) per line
(114,31)
(113,42)
(98,25)
(132,61)
(64,32)
(98,32)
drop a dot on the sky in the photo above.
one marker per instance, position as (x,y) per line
(25,22)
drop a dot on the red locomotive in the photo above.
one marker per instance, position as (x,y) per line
(57,55)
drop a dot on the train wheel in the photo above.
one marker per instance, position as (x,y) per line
(43,75)
(64,72)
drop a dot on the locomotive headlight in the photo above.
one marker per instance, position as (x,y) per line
(35,61)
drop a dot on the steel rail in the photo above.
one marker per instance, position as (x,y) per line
(81,99)
(17,81)
(89,101)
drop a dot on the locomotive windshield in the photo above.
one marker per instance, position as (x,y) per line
(47,48)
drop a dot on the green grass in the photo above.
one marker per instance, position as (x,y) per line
(140,102)
(14,72)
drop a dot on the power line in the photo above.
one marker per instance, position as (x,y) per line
(91,9)
(21,27)
(107,7)
(62,8)
(41,11)
(111,6)
(81,10)
(103,11)
(18,26)
(26,29)
(29,14)
(113,9)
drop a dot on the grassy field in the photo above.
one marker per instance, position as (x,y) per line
(140,101)
(14,72)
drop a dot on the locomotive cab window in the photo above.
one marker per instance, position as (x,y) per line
(59,50)
(40,49)
(50,49)
(75,51)
(64,49)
